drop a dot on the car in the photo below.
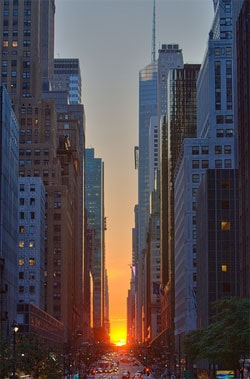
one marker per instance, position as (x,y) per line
(137,375)
(125,375)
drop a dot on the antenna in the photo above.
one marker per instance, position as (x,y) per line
(153,35)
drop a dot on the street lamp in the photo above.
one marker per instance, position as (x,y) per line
(15,328)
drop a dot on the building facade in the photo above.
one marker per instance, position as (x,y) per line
(50,147)
(8,212)
(94,203)
(31,242)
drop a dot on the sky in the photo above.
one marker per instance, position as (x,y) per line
(113,41)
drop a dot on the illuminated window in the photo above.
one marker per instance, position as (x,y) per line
(21,244)
(218,149)
(14,44)
(224,268)
(32,244)
(225,225)
(227,149)
(5,43)
(21,229)
(32,261)
(21,262)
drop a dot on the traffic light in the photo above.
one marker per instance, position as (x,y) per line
(147,371)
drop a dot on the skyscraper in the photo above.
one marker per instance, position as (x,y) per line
(95,221)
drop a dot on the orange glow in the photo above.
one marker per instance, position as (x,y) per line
(118,337)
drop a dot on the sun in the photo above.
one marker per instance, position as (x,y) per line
(122,342)
(118,337)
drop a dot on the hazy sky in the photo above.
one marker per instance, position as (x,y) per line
(113,41)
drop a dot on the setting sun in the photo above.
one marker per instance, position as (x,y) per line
(118,337)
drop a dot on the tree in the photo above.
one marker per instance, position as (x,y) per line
(227,338)
(32,357)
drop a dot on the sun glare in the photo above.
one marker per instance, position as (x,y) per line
(118,338)
(122,342)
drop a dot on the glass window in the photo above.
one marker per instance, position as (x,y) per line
(219,119)
(204,163)
(21,229)
(32,261)
(195,150)
(218,149)
(218,163)
(195,164)
(219,133)
(229,133)
(225,225)
(195,178)
(228,163)
(204,150)
(21,244)
(229,119)
(227,149)
(20,262)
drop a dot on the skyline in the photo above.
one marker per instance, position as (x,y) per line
(111,56)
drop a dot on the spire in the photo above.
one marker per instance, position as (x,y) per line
(153,35)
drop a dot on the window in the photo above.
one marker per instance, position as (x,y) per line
(195,164)
(224,268)
(32,215)
(229,133)
(227,149)
(32,261)
(219,119)
(32,244)
(21,201)
(218,163)
(21,275)
(229,119)
(194,191)
(21,229)
(225,225)
(195,150)
(228,163)
(21,244)
(219,133)
(204,150)
(195,178)
(204,163)
(21,262)
(32,201)
(218,149)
